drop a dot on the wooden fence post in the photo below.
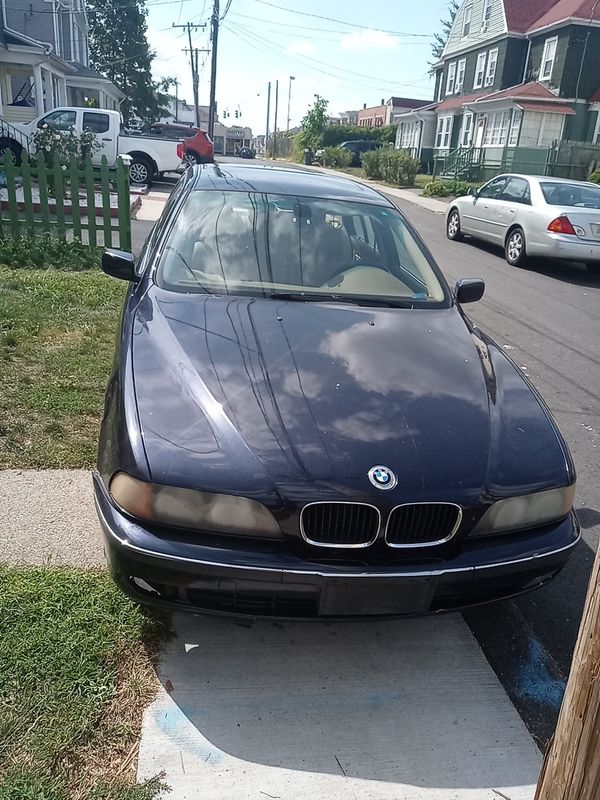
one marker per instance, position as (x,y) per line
(105,190)
(124,204)
(13,213)
(42,177)
(571,769)
(59,196)
(90,190)
(27,195)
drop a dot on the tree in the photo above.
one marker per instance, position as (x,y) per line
(313,124)
(119,49)
(440,39)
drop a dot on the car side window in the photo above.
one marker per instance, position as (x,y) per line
(493,189)
(97,123)
(517,191)
(59,120)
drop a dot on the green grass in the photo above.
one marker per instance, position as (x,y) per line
(76,671)
(57,334)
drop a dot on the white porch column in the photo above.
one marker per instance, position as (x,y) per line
(3,98)
(39,90)
(62,92)
(49,94)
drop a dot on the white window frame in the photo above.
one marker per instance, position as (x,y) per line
(551,43)
(596,139)
(487,14)
(460,75)
(515,127)
(466,20)
(443,133)
(496,132)
(492,64)
(451,78)
(467,130)
(479,71)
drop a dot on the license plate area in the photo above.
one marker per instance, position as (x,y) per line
(379,597)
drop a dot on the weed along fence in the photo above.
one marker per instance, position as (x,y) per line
(80,201)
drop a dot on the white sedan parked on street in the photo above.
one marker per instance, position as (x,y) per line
(532,216)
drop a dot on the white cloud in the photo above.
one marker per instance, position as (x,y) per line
(301,47)
(368,40)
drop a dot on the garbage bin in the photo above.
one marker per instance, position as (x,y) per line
(308,157)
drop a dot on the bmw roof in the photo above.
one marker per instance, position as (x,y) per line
(283,180)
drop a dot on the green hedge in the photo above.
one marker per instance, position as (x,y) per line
(48,252)
(336,157)
(336,134)
(595,176)
(392,166)
(446,188)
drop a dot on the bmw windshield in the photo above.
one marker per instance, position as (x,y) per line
(290,247)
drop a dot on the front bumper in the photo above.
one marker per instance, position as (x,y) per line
(237,579)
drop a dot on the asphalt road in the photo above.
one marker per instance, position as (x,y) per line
(548,320)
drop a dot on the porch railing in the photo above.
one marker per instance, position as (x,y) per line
(13,132)
(463,163)
(73,201)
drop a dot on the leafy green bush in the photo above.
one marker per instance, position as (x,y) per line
(336,157)
(437,188)
(595,176)
(40,252)
(336,134)
(390,165)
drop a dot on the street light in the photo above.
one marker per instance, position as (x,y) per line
(292,78)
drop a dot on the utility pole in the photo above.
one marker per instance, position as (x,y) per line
(189,26)
(176,99)
(268,117)
(214,37)
(571,769)
(275,120)
(292,78)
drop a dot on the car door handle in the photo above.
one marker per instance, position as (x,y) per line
(106,139)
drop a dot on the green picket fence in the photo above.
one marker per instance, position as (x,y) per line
(66,202)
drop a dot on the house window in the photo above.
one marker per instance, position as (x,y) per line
(487,13)
(466,134)
(408,139)
(460,75)
(451,78)
(548,58)
(479,71)
(467,20)
(515,127)
(497,129)
(444,129)
(490,74)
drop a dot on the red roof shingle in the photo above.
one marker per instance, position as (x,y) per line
(554,108)
(532,89)
(528,15)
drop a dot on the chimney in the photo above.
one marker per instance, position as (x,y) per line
(364,106)
(383,101)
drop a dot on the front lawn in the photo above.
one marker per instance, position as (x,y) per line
(76,671)
(57,334)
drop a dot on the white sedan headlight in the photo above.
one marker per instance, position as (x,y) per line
(526,511)
(190,508)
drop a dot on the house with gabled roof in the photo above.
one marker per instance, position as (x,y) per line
(513,73)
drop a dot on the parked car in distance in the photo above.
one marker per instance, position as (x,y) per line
(197,145)
(302,421)
(359,146)
(532,217)
(246,152)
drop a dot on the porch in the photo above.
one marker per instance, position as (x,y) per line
(30,83)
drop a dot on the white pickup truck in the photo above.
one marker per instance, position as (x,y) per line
(150,155)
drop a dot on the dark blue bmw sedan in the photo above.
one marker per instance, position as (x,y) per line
(302,422)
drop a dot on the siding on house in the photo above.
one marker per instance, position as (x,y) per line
(502,64)
(558,69)
(30,21)
(514,62)
(590,74)
(456,43)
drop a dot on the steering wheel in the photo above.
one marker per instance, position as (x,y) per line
(332,280)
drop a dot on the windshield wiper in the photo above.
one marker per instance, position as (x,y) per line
(315,297)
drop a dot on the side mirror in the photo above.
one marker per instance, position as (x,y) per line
(469,291)
(472,192)
(120,264)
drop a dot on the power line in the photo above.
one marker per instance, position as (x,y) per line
(331,67)
(340,21)
(227,7)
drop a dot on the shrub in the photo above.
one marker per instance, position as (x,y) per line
(336,134)
(336,157)
(48,252)
(595,176)
(437,188)
(392,166)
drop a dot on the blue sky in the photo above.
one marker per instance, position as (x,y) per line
(264,40)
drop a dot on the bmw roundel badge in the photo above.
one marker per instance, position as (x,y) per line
(382,477)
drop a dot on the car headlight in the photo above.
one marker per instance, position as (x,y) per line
(526,511)
(190,508)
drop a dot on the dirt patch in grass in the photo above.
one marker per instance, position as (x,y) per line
(76,671)
(57,334)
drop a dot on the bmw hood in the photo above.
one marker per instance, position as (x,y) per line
(298,401)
